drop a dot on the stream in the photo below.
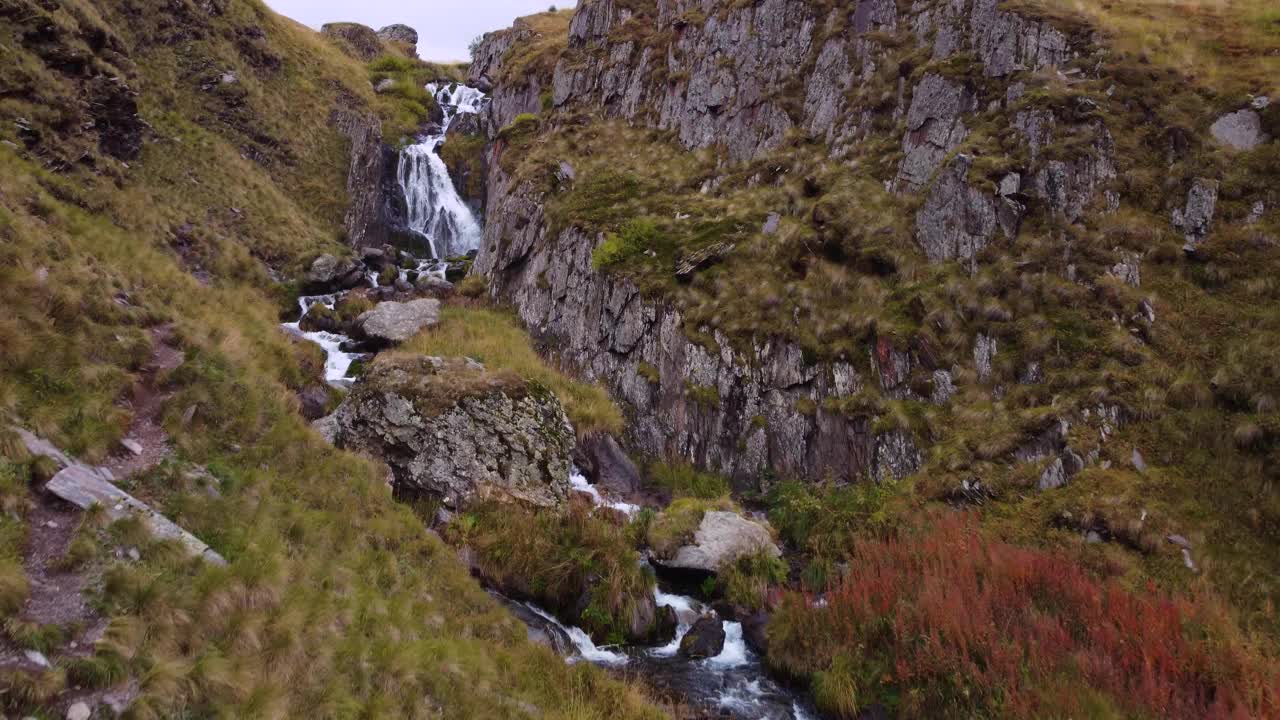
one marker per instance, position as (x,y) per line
(733,683)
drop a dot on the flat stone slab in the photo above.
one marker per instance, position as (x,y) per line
(395,322)
(84,487)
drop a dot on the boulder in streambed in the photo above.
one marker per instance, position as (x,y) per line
(721,538)
(391,323)
(329,273)
(452,430)
(704,640)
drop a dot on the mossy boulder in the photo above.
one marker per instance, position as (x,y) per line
(456,432)
(358,41)
(692,537)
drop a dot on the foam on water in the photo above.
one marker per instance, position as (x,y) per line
(435,211)
(579,482)
(337,363)
(734,653)
(587,649)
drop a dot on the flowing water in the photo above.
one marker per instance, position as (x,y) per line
(337,363)
(733,682)
(435,210)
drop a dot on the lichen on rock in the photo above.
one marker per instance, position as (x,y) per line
(454,431)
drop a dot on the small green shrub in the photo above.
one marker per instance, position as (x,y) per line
(472,286)
(704,396)
(746,582)
(636,236)
(822,520)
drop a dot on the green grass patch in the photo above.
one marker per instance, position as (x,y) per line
(496,340)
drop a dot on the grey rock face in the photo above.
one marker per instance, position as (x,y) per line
(934,128)
(1128,269)
(943,387)
(452,430)
(602,328)
(984,351)
(395,322)
(720,540)
(1240,130)
(367,216)
(956,221)
(512,96)
(1196,218)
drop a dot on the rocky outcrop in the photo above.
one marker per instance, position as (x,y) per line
(513,95)
(934,128)
(329,273)
(367,215)
(956,221)
(451,430)
(768,412)
(404,37)
(721,539)
(1196,217)
(1240,130)
(359,41)
(391,323)
(726,75)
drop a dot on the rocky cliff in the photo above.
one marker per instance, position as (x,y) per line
(746,414)
(800,239)
(741,79)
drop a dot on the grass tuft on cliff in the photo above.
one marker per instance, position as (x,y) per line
(495,339)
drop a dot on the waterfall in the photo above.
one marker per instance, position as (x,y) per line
(434,208)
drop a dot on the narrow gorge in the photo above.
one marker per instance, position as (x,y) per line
(767,359)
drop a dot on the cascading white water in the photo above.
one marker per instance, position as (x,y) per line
(434,209)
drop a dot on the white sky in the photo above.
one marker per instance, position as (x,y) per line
(444,28)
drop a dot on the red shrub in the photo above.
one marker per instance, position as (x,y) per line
(945,622)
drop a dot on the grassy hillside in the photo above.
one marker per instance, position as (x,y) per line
(336,602)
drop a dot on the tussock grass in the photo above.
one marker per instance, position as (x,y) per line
(580,564)
(1231,46)
(680,480)
(495,339)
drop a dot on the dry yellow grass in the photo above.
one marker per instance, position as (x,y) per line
(1229,46)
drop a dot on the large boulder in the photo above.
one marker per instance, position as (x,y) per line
(329,273)
(721,539)
(704,640)
(1240,130)
(452,430)
(400,34)
(358,41)
(392,323)
(603,461)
